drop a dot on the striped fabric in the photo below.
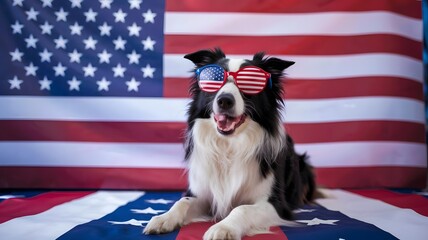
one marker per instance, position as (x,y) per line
(373,214)
(354,99)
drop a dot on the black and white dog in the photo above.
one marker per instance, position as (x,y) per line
(243,170)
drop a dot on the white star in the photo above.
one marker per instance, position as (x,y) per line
(103,84)
(119,16)
(134,4)
(75,56)
(119,70)
(89,70)
(4,197)
(47,3)
(134,57)
(61,15)
(119,43)
(317,221)
(133,222)
(32,14)
(30,70)
(159,201)
(133,85)
(76,29)
(16,55)
(149,44)
(90,43)
(59,70)
(134,29)
(45,56)
(15,83)
(104,56)
(45,84)
(303,210)
(76,3)
(90,15)
(17,27)
(148,71)
(74,84)
(106,3)
(149,16)
(46,28)
(31,41)
(148,210)
(104,29)
(17,2)
(60,42)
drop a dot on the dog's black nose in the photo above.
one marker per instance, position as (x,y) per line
(226,101)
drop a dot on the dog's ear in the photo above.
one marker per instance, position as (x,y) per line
(271,64)
(204,57)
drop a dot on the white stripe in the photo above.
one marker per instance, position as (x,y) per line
(323,67)
(405,224)
(174,109)
(256,24)
(350,154)
(351,109)
(90,154)
(56,221)
(336,154)
(256,79)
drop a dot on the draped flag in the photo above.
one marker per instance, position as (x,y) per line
(375,214)
(93,94)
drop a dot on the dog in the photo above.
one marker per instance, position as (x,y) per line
(243,170)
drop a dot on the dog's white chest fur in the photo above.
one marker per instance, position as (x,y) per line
(223,170)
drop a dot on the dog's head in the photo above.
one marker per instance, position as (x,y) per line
(233,91)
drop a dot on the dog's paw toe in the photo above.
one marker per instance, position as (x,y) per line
(160,224)
(221,232)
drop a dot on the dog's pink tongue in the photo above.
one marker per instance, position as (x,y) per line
(225,123)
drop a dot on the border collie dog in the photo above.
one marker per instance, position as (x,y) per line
(243,171)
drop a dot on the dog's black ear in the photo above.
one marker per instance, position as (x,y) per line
(204,57)
(271,64)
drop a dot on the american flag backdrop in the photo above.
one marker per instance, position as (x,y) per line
(94,93)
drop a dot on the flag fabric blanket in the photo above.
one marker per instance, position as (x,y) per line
(98,90)
(92,215)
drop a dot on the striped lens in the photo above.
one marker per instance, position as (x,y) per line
(210,77)
(251,80)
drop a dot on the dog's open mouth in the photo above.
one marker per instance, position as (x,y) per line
(227,124)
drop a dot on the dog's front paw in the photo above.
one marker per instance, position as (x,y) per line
(221,232)
(161,224)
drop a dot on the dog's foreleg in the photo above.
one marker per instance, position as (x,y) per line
(184,211)
(245,220)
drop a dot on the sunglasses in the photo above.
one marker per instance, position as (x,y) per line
(249,79)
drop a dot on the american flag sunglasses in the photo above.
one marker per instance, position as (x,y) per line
(249,79)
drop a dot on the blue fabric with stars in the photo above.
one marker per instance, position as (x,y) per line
(103,229)
(211,72)
(82,48)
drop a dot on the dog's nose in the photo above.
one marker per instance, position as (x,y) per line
(226,101)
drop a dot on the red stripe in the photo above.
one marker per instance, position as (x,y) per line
(161,132)
(93,178)
(328,88)
(175,179)
(297,45)
(195,231)
(371,177)
(405,7)
(18,207)
(415,202)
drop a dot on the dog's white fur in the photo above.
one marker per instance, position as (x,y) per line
(225,177)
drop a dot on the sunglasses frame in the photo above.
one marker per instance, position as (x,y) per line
(226,74)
